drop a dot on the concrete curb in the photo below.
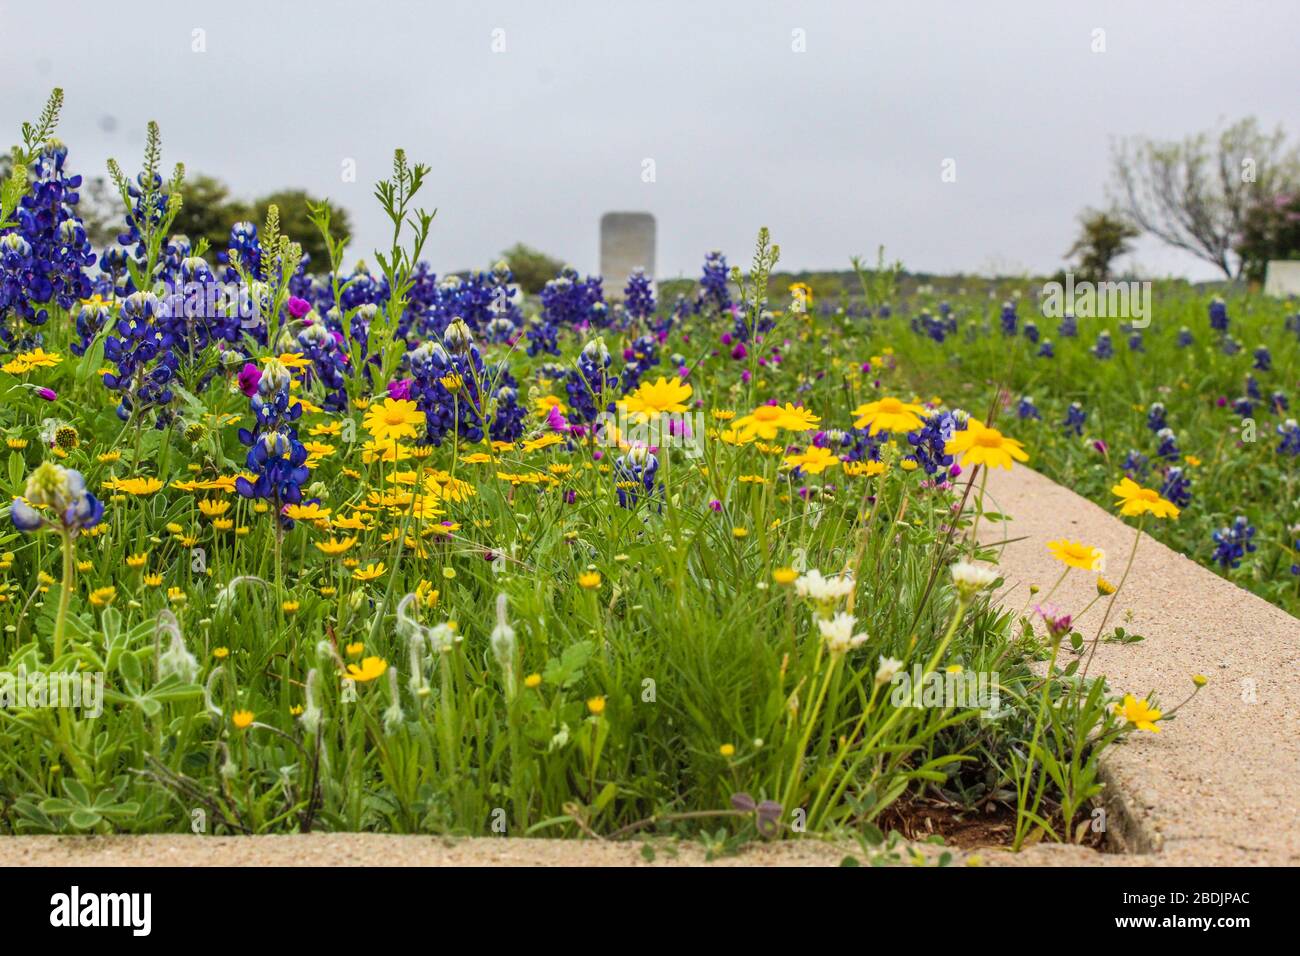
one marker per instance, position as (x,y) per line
(1217,785)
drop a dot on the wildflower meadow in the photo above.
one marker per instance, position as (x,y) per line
(300,545)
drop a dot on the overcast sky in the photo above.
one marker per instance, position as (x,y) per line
(837,149)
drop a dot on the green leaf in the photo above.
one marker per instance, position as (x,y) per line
(129,667)
(872,834)
(110,624)
(16,469)
(606,795)
(84,819)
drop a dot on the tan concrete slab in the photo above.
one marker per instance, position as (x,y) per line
(378,849)
(1219,783)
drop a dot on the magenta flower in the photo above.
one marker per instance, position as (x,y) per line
(1057,621)
(298,307)
(48,394)
(555,419)
(400,389)
(249,376)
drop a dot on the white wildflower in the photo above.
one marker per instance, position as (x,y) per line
(972,578)
(889,666)
(823,589)
(838,632)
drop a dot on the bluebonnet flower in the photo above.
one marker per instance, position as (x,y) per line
(1008,318)
(43,257)
(92,318)
(1229,345)
(479,299)
(148,207)
(1135,342)
(508,419)
(1218,315)
(276,458)
(329,362)
(927,324)
(1026,408)
(1075,417)
(1168,447)
(1177,487)
(194,316)
(1243,407)
(639,296)
(446,386)
(634,475)
(1136,464)
(1069,326)
(543,336)
(928,442)
(1279,403)
(1031,332)
(858,444)
(1103,349)
(71,508)
(1263,359)
(588,384)
(1252,388)
(362,289)
(714,295)
(1156,416)
(641,356)
(1290,432)
(146,362)
(1046,349)
(764,322)
(1233,543)
(569,301)
(1184,337)
(245,242)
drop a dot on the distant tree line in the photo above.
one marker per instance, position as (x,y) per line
(1230,197)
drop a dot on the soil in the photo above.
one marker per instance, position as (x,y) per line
(991,827)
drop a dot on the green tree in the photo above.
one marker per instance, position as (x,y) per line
(1271,231)
(1103,238)
(295,222)
(1195,194)
(208,211)
(532,269)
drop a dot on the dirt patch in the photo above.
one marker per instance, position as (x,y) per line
(992,826)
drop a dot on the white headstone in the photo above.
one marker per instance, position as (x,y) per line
(627,242)
(1282,278)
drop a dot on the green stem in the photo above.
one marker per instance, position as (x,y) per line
(65,594)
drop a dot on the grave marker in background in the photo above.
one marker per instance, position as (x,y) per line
(1282,278)
(627,242)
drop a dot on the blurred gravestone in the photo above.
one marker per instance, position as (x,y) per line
(627,242)
(1282,278)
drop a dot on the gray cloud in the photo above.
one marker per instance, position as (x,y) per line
(837,149)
